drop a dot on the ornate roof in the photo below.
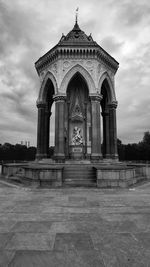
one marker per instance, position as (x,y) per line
(76,43)
(77,37)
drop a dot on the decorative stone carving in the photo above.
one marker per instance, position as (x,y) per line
(89,64)
(113,104)
(66,64)
(77,139)
(59,98)
(76,113)
(99,67)
(54,68)
(96,98)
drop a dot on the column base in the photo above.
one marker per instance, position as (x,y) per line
(60,157)
(114,157)
(107,156)
(95,157)
(41,156)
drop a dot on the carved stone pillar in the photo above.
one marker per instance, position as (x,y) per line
(96,127)
(41,131)
(113,130)
(59,127)
(106,135)
(47,129)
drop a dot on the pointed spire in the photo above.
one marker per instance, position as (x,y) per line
(76,26)
(76,21)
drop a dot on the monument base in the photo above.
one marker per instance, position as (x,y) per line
(76,173)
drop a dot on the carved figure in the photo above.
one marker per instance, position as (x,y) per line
(77,138)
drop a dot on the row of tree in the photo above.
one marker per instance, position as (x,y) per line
(9,152)
(138,151)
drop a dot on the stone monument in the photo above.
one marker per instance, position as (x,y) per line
(78,76)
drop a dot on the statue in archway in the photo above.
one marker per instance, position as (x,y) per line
(77,138)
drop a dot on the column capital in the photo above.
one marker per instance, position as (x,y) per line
(96,97)
(40,104)
(113,105)
(59,97)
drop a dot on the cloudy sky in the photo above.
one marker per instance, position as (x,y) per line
(29,28)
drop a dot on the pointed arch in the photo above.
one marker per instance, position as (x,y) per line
(84,73)
(110,88)
(43,89)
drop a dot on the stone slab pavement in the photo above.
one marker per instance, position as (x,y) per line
(73,227)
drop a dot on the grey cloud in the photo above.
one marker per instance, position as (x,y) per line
(133,12)
(111,45)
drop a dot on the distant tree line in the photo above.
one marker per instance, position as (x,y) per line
(9,152)
(137,151)
(19,152)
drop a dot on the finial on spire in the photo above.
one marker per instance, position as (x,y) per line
(77,15)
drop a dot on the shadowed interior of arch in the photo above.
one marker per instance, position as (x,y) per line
(78,102)
(50,110)
(106,98)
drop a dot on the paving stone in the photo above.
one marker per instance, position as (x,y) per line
(30,241)
(4,239)
(77,199)
(114,257)
(63,227)
(6,225)
(126,226)
(77,241)
(31,227)
(6,257)
(144,239)
(93,227)
(56,259)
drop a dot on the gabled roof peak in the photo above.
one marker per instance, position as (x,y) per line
(76,37)
(76,27)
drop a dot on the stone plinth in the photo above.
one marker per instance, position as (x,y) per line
(76,172)
(115,177)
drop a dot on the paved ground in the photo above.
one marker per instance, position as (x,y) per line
(74,227)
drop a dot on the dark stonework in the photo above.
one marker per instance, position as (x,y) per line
(96,127)
(106,135)
(113,130)
(41,130)
(59,127)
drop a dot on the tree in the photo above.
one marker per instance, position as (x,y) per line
(146,138)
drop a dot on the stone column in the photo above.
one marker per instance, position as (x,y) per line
(85,128)
(59,127)
(106,136)
(47,129)
(41,141)
(96,127)
(113,130)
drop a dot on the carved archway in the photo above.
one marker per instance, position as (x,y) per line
(108,86)
(43,90)
(84,73)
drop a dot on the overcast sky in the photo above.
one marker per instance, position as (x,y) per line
(29,28)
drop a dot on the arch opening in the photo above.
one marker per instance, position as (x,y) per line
(105,92)
(78,118)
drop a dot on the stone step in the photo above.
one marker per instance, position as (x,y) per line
(79,176)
